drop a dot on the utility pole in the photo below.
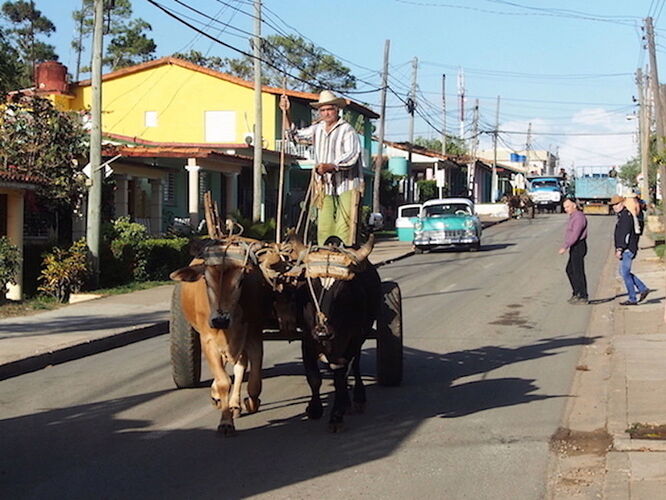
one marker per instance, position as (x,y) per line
(411,107)
(257,195)
(461,96)
(379,160)
(471,169)
(94,218)
(528,148)
(443,114)
(494,185)
(658,109)
(654,84)
(643,134)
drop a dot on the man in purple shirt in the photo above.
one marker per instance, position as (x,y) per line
(575,241)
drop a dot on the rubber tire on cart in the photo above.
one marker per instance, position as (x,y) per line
(389,336)
(475,247)
(185,346)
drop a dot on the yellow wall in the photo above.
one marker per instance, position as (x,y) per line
(180,96)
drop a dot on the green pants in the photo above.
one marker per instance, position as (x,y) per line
(338,216)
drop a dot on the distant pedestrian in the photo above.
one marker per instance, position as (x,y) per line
(627,233)
(575,242)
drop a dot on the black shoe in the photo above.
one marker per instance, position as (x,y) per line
(628,303)
(643,295)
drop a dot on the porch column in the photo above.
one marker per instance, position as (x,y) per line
(15,236)
(193,197)
(155,206)
(231,192)
(120,196)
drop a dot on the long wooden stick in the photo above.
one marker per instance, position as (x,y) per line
(278,228)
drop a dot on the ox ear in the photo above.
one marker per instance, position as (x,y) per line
(197,245)
(189,273)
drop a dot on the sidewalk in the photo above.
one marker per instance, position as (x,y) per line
(637,467)
(620,381)
(29,343)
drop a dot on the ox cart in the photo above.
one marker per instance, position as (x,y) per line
(186,348)
(239,292)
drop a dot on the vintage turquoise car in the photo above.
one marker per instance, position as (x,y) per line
(447,222)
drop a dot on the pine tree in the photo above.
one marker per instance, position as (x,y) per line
(128,42)
(26,25)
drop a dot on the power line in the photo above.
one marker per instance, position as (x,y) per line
(515,132)
(168,11)
(546,13)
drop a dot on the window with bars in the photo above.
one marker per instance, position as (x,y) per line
(169,189)
(204,185)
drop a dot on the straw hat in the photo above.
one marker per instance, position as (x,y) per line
(616,199)
(329,98)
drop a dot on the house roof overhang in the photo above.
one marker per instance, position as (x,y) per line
(306,96)
(15,180)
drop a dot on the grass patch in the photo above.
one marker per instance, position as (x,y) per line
(30,306)
(131,287)
(41,303)
(384,235)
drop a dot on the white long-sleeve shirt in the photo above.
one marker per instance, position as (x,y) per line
(339,146)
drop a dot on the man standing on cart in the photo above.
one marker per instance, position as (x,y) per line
(338,185)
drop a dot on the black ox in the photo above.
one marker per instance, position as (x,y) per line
(338,310)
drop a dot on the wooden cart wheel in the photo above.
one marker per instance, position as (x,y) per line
(389,336)
(185,346)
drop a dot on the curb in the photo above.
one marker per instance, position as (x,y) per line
(77,351)
(96,346)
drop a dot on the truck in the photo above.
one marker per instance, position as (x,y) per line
(546,192)
(593,191)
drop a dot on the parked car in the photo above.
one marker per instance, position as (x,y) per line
(408,215)
(447,222)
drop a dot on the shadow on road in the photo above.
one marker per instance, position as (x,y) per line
(98,449)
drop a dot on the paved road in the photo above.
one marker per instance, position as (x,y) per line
(491,348)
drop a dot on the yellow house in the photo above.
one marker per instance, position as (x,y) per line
(173,129)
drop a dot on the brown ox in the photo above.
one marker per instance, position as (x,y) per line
(224,298)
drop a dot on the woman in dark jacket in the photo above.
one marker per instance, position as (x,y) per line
(626,248)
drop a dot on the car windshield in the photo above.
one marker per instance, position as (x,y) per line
(544,183)
(410,212)
(447,209)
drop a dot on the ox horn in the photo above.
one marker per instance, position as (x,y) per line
(362,253)
(296,241)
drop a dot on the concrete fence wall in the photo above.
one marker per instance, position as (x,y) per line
(499,210)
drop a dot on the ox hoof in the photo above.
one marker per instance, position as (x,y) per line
(226,430)
(236,412)
(336,427)
(252,404)
(314,411)
(217,403)
(357,408)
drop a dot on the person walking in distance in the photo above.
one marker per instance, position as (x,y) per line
(575,242)
(627,233)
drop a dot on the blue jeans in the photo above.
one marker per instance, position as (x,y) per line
(631,281)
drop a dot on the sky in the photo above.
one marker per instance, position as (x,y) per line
(565,66)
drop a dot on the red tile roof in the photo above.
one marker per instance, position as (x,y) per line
(10,176)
